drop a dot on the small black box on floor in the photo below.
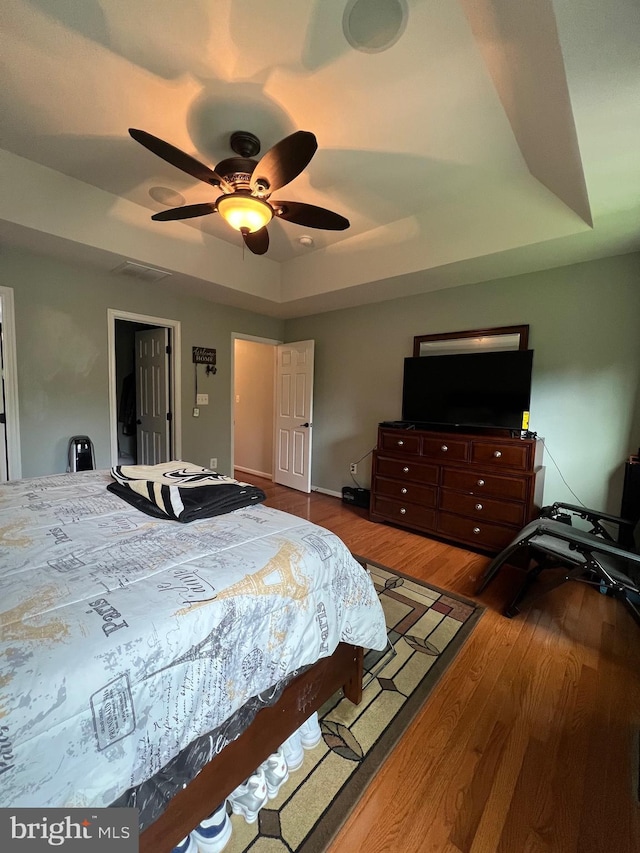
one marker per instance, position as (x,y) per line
(356,496)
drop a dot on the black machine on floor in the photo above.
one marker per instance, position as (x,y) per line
(356,496)
(81,454)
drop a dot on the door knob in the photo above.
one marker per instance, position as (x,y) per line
(138,421)
(305,425)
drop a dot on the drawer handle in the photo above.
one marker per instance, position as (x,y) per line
(478,507)
(405,470)
(444,448)
(480,482)
(403,491)
(403,511)
(497,453)
(476,530)
(400,442)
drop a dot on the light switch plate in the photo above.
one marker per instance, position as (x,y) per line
(202,399)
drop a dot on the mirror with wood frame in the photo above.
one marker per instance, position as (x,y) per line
(472,340)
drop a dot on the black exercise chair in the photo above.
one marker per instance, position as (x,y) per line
(592,557)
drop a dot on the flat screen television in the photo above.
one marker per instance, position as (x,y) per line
(485,389)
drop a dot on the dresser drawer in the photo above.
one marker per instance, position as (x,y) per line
(480,534)
(480,483)
(483,509)
(445,449)
(404,513)
(400,441)
(500,455)
(406,469)
(411,492)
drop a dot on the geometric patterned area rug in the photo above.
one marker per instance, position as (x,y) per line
(427,627)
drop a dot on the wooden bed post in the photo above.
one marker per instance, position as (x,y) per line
(353,687)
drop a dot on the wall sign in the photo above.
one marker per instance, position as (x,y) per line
(203,355)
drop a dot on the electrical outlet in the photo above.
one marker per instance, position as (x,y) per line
(353,468)
(196,413)
(213,463)
(202,399)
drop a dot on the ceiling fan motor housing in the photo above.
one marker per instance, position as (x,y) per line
(237,171)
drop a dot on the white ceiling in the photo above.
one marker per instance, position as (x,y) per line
(494,137)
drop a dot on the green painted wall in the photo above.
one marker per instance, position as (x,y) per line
(584,327)
(63,375)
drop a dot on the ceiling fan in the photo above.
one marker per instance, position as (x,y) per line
(247,185)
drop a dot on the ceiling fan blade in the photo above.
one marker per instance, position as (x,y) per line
(186,212)
(309,215)
(179,159)
(284,161)
(256,241)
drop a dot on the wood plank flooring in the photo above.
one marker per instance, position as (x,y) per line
(530,742)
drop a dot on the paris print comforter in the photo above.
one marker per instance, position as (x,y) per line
(124,637)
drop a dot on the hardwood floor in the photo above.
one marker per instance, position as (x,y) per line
(530,742)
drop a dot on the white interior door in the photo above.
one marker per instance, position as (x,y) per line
(294,413)
(10,457)
(4,466)
(152,396)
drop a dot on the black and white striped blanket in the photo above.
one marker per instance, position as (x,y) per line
(181,491)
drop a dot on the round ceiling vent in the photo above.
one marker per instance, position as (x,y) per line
(374,25)
(167,196)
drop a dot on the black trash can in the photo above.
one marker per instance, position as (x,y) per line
(81,454)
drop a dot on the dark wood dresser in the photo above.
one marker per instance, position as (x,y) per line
(476,490)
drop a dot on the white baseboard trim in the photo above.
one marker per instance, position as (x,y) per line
(326,492)
(329,492)
(255,473)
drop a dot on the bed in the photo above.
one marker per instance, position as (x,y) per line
(126,639)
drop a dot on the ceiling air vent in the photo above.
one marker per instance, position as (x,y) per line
(140,271)
(374,25)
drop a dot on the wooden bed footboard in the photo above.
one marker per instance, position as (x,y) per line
(271,727)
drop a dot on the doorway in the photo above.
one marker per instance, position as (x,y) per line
(144,388)
(252,405)
(271,410)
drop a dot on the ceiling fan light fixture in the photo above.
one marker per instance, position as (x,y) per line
(244,212)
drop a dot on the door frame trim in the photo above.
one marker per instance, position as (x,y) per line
(175,384)
(10,361)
